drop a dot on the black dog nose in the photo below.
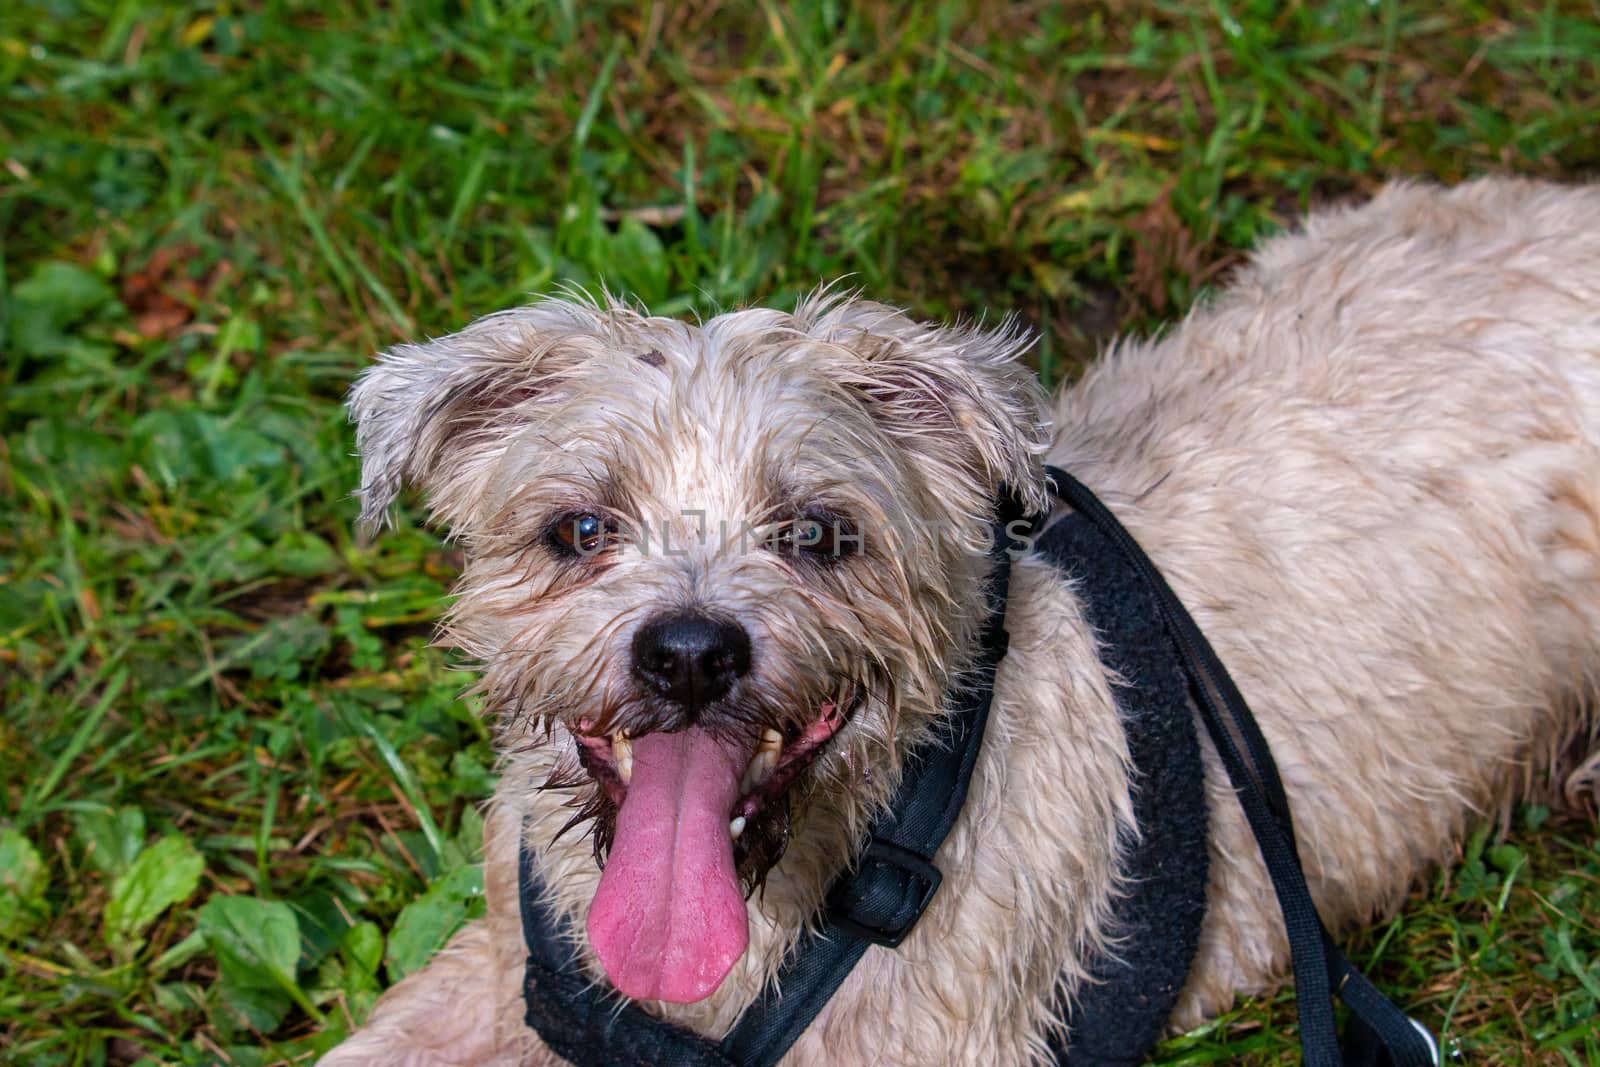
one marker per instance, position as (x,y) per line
(690,659)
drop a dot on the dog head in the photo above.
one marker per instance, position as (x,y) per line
(729,569)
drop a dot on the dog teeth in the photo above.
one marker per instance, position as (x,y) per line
(736,827)
(622,751)
(762,763)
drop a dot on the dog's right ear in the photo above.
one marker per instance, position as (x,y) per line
(427,414)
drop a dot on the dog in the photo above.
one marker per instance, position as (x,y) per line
(720,578)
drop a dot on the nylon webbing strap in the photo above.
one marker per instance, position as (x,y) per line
(1120,1010)
(1382,1036)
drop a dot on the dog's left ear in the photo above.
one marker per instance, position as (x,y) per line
(432,415)
(957,396)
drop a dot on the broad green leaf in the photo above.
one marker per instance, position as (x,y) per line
(1506,857)
(429,921)
(71,451)
(469,835)
(177,998)
(304,554)
(53,297)
(469,777)
(182,445)
(165,874)
(111,839)
(353,975)
(363,947)
(323,912)
(257,945)
(23,879)
(241,560)
(286,643)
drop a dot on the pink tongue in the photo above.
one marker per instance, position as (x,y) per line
(668,920)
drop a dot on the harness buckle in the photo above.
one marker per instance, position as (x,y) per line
(882,901)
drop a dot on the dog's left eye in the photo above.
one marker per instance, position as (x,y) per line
(822,537)
(582,534)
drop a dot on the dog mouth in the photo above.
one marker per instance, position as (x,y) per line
(692,809)
(773,766)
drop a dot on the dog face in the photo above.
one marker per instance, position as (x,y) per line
(729,569)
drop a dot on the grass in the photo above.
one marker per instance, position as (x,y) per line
(237,788)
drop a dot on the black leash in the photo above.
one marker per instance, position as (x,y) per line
(880,901)
(1381,1035)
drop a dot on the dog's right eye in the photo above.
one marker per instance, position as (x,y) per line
(819,536)
(581,534)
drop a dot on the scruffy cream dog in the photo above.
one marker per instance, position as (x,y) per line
(720,575)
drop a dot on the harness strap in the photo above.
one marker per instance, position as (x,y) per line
(1118,1013)
(1383,1036)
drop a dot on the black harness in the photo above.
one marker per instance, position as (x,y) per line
(1170,671)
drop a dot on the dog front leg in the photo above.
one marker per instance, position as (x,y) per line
(464,1009)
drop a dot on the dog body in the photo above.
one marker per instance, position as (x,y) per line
(1369,468)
